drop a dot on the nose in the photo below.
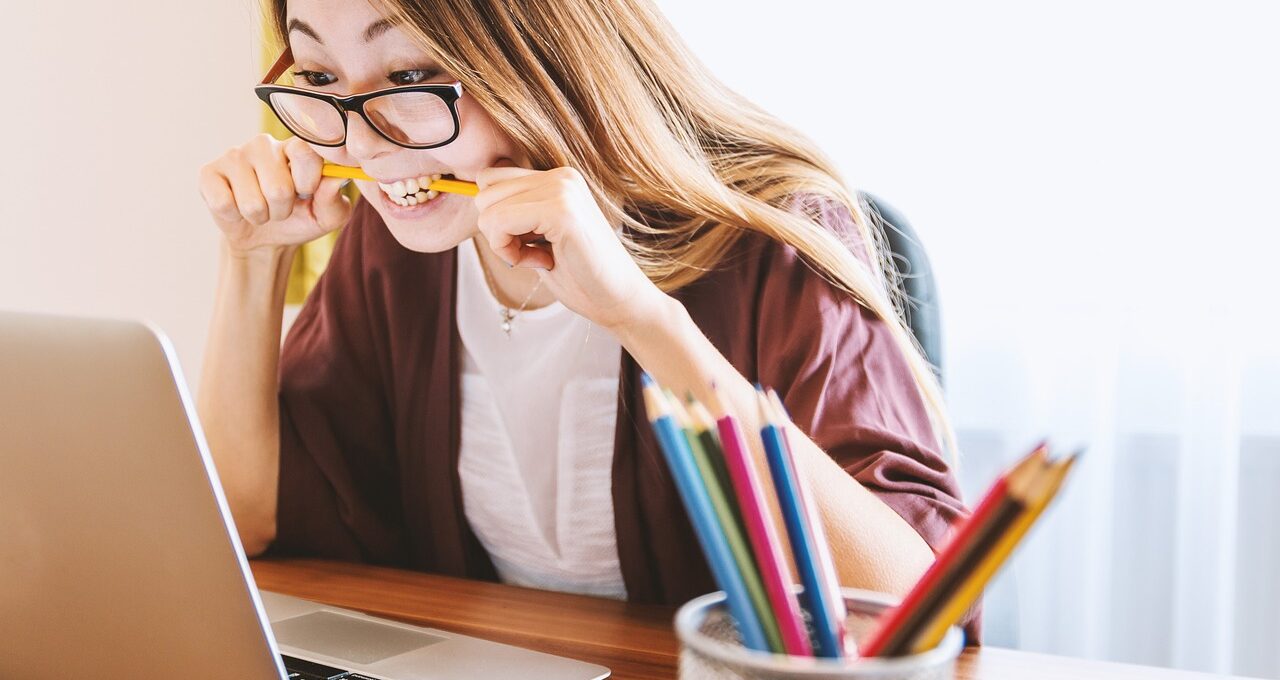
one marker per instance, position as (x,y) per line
(363,142)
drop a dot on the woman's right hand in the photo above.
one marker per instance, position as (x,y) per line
(267,194)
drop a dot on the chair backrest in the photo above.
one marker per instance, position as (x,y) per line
(918,287)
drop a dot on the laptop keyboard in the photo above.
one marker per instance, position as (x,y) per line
(301,669)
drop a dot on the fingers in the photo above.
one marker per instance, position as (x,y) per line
(274,178)
(329,206)
(507,227)
(255,178)
(305,166)
(536,257)
(499,184)
(518,206)
(493,175)
(244,187)
(216,192)
(267,193)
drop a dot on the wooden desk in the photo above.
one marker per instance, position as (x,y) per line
(636,641)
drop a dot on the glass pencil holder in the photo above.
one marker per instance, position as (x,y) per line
(711,650)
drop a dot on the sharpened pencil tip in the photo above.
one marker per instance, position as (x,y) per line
(714,403)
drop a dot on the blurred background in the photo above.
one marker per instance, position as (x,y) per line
(1095,182)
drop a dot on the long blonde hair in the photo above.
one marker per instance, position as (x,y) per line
(608,87)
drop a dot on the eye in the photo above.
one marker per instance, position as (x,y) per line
(413,76)
(315,78)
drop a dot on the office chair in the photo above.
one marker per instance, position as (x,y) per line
(919,289)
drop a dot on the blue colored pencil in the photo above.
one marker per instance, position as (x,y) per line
(697,503)
(826,565)
(827,631)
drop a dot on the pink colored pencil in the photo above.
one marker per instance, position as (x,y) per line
(778,581)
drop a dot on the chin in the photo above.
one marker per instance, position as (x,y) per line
(434,227)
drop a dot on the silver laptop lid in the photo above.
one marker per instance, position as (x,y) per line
(116,560)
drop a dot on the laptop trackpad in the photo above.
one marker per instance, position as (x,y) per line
(346,637)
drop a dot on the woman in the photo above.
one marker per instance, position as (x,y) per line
(460,392)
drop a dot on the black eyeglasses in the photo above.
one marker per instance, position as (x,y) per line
(412,116)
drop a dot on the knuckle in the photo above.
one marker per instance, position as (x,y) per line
(296,148)
(256,213)
(277,193)
(221,206)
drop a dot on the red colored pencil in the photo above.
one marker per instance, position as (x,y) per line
(765,540)
(893,622)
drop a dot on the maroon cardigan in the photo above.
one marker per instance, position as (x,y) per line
(369,410)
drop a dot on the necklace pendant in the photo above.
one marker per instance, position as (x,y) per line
(507,316)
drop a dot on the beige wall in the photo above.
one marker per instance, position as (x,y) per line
(111,109)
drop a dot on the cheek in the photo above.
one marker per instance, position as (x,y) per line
(480,142)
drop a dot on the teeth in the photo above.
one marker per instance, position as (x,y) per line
(412,191)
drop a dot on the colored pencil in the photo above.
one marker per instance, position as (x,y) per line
(804,547)
(775,572)
(896,626)
(697,502)
(729,525)
(705,426)
(962,598)
(448,186)
(833,598)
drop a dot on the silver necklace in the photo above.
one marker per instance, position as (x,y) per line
(504,312)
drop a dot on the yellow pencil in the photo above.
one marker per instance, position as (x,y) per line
(449,186)
(1043,491)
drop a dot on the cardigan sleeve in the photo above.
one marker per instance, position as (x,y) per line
(846,383)
(336,489)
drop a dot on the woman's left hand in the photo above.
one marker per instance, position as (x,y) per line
(583,262)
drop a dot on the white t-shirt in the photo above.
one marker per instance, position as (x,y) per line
(539,410)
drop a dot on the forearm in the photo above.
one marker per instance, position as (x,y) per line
(874,547)
(237,400)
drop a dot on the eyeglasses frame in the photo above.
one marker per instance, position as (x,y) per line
(450,93)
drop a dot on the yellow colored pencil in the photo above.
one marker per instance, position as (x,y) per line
(971,588)
(448,186)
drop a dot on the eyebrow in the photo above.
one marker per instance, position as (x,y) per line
(377,28)
(374,30)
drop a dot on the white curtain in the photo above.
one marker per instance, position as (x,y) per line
(1097,184)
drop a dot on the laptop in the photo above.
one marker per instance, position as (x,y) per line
(118,556)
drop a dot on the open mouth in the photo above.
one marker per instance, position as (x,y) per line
(412,191)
